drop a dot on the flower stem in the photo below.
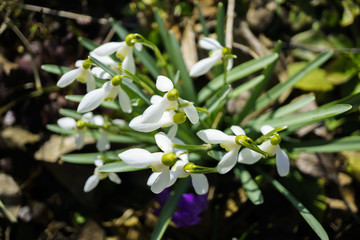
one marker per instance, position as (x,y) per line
(203,147)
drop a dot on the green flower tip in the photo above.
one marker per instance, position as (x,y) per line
(86,64)
(106,126)
(179,118)
(173,94)
(241,140)
(129,39)
(116,80)
(169,159)
(80,124)
(189,167)
(226,51)
(275,140)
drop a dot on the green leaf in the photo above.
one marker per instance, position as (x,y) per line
(275,92)
(169,208)
(235,74)
(202,20)
(55,128)
(321,145)
(148,61)
(187,88)
(87,43)
(250,103)
(55,69)
(70,113)
(295,121)
(119,166)
(252,190)
(246,86)
(88,158)
(304,212)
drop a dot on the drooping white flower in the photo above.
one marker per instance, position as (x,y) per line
(124,51)
(160,162)
(217,52)
(94,179)
(108,92)
(272,147)
(103,143)
(82,73)
(161,111)
(228,142)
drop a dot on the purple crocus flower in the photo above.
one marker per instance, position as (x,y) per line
(189,208)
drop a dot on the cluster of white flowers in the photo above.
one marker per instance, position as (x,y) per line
(168,110)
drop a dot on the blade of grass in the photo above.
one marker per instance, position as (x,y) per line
(220,24)
(246,86)
(251,188)
(235,74)
(55,69)
(304,212)
(277,90)
(202,20)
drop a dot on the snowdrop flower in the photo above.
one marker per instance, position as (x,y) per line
(103,143)
(160,162)
(272,147)
(124,51)
(82,73)
(217,53)
(230,143)
(155,115)
(107,92)
(68,123)
(94,179)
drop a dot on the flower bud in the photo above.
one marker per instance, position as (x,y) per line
(173,94)
(129,39)
(179,118)
(116,80)
(169,159)
(80,124)
(86,64)
(275,140)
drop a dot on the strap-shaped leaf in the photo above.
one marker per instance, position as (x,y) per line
(251,188)
(169,208)
(235,74)
(304,212)
(275,92)
(246,86)
(55,69)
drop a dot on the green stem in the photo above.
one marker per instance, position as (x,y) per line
(203,147)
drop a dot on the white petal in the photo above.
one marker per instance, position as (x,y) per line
(138,46)
(200,183)
(228,161)
(100,73)
(79,139)
(91,182)
(90,82)
(138,125)
(282,162)
(154,112)
(87,117)
(104,59)
(91,100)
(114,178)
(103,143)
(68,78)
(248,156)
(268,147)
(66,123)
(266,129)
(79,63)
(237,130)
(164,142)
(97,120)
(172,131)
(161,182)
(129,63)
(190,111)
(209,44)
(124,101)
(230,64)
(136,157)
(107,48)
(203,66)
(155,99)
(152,178)
(119,122)
(98,162)
(214,136)
(164,84)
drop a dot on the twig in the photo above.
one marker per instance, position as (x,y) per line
(245,49)
(250,37)
(64,14)
(229,23)
(29,49)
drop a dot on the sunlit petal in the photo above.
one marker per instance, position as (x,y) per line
(161,182)
(200,183)
(190,111)
(266,129)
(282,162)
(214,136)
(204,65)
(108,48)
(228,161)
(237,130)
(91,100)
(209,44)
(68,78)
(164,142)
(129,63)
(66,123)
(124,101)
(248,156)
(136,157)
(164,84)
